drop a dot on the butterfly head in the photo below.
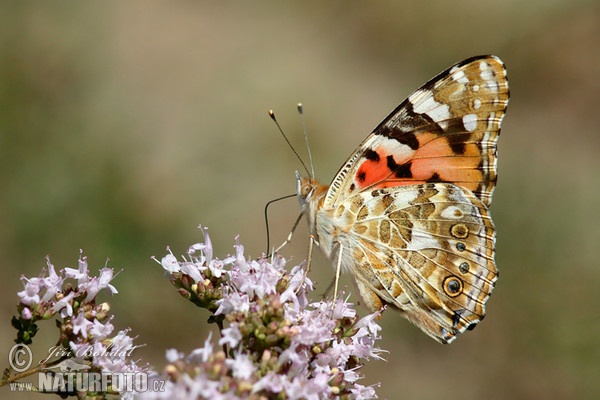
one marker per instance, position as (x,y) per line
(311,194)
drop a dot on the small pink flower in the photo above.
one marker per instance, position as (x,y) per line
(242,366)
(81,325)
(203,353)
(230,336)
(100,331)
(65,305)
(53,282)
(26,313)
(30,295)
(81,274)
(192,270)
(169,263)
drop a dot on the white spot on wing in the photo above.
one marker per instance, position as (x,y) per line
(426,104)
(486,72)
(393,146)
(460,77)
(421,240)
(470,122)
(451,212)
(493,86)
(416,96)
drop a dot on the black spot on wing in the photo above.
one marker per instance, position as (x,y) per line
(399,170)
(405,137)
(457,141)
(371,155)
(435,178)
(403,124)
(361,176)
(457,316)
(415,121)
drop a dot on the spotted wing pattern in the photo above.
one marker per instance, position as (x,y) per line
(427,250)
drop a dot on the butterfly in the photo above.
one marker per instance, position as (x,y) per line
(407,214)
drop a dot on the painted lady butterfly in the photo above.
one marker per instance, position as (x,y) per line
(407,214)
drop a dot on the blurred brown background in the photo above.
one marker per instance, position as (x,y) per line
(124,125)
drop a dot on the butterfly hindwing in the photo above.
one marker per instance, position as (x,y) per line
(427,250)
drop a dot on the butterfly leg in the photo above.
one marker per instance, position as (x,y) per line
(289,238)
(311,243)
(338,270)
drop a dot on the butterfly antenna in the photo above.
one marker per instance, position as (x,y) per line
(310,160)
(272,115)
(267,218)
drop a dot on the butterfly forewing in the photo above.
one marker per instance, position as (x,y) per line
(446,131)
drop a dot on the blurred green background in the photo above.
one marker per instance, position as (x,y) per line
(124,125)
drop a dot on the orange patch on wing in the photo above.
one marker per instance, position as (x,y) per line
(371,172)
(436,157)
(374,173)
(433,160)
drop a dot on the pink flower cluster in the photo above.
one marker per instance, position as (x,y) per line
(84,327)
(275,343)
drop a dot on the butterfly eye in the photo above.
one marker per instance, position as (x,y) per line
(453,286)
(305,191)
